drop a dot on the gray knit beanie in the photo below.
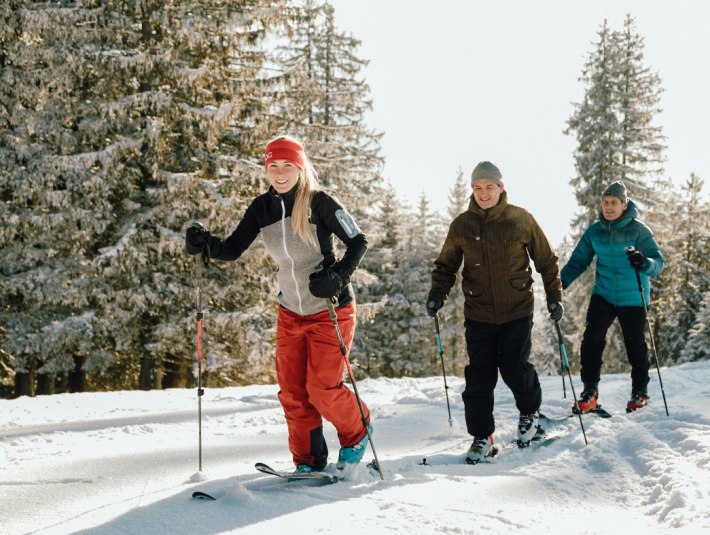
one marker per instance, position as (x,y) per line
(616,189)
(487,170)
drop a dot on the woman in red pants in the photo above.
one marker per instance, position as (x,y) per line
(297,222)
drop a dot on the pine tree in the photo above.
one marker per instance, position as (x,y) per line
(118,121)
(595,125)
(641,142)
(698,344)
(686,276)
(395,336)
(323,100)
(453,332)
(616,140)
(383,306)
(614,124)
(459,196)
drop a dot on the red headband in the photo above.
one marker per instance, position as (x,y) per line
(285,149)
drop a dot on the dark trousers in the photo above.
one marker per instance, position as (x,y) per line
(600,316)
(491,348)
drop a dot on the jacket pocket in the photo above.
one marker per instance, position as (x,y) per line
(522,283)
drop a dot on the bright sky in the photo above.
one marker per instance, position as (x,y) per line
(461,81)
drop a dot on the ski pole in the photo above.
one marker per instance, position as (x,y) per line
(201,261)
(443,368)
(565,363)
(562,375)
(630,249)
(344,352)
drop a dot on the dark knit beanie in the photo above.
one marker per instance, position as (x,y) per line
(487,170)
(616,189)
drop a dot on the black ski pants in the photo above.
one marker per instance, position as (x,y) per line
(504,347)
(600,316)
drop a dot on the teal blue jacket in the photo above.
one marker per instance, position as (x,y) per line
(615,279)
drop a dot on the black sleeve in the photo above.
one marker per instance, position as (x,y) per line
(239,241)
(331,218)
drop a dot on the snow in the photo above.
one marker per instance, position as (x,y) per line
(127,462)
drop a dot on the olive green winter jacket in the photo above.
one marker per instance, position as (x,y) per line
(496,246)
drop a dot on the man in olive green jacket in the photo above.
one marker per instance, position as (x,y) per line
(496,241)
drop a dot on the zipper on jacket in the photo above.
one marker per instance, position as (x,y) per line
(293,263)
(613,263)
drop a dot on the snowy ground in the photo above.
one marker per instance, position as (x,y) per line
(127,462)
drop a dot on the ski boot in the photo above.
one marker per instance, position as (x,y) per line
(528,429)
(481,448)
(353,454)
(639,398)
(587,402)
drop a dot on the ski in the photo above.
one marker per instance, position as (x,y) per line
(541,439)
(199,495)
(598,410)
(292,476)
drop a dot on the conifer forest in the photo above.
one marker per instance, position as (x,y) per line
(121,122)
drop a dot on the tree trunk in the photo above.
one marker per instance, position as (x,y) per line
(25,381)
(145,380)
(46,384)
(77,378)
(176,370)
(62,383)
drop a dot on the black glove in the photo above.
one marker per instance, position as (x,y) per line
(556,310)
(326,283)
(433,306)
(196,239)
(636,258)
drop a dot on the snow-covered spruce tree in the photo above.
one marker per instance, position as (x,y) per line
(53,204)
(375,349)
(323,98)
(396,337)
(641,146)
(595,124)
(117,117)
(698,345)
(686,279)
(422,242)
(616,140)
(452,318)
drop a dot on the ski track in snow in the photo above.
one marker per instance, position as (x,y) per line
(126,462)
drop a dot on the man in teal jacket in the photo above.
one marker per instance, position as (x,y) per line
(616,292)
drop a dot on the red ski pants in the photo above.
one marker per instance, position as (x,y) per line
(310,368)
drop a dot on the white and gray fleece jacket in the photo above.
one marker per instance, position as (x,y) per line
(270,215)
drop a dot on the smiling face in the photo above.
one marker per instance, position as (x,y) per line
(283,175)
(486,192)
(612,207)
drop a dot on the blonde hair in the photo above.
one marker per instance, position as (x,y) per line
(307,187)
